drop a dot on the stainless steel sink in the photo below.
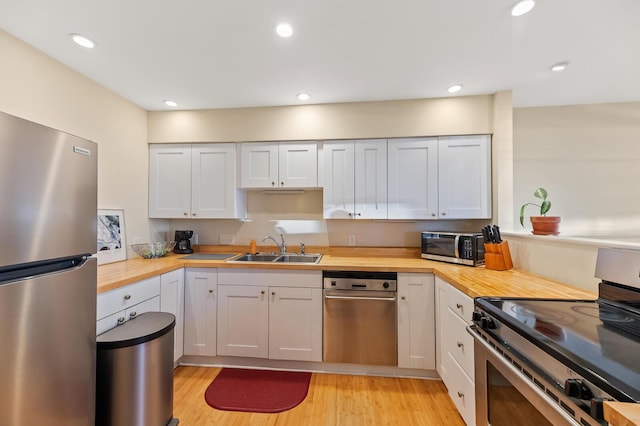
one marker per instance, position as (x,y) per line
(299,258)
(254,258)
(277,257)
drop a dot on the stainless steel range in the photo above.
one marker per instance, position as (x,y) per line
(541,361)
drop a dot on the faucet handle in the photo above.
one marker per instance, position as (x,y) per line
(301,248)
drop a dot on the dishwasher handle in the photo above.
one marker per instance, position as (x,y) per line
(388,299)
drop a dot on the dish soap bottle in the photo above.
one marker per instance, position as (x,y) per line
(252,247)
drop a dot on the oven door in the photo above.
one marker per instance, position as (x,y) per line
(505,397)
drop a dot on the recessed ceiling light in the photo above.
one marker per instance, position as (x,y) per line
(455,88)
(522,7)
(170,103)
(83,41)
(560,66)
(303,96)
(284,30)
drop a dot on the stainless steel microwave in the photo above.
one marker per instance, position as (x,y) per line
(453,247)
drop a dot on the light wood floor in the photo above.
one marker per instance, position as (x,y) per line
(332,400)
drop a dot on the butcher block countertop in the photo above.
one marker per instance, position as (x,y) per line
(474,282)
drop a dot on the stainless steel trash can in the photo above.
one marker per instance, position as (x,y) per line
(135,372)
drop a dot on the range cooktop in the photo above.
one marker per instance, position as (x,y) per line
(596,338)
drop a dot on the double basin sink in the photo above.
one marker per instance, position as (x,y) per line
(276,258)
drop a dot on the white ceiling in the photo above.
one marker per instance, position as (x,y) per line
(223,54)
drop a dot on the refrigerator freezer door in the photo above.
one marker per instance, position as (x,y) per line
(48,350)
(48,197)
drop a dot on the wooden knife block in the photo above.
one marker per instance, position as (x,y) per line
(497,256)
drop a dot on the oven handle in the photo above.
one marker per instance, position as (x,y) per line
(477,338)
(388,299)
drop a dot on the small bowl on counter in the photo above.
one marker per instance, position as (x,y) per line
(153,250)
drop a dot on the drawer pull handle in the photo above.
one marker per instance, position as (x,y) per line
(460,344)
(460,394)
(120,320)
(273,293)
(262,292)
(403,298)
(459,306)
(210,291)
(127,296)
(132,314)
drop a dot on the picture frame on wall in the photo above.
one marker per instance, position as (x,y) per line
(112,245)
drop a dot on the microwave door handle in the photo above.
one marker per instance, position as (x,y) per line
(456,244)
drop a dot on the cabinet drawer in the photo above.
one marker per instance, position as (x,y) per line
(120,317)
(125,297)
(460,343)
(461,390)
(460,303)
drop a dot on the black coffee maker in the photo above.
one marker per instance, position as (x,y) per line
(183,245)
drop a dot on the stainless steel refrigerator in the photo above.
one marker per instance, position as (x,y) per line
(48,206)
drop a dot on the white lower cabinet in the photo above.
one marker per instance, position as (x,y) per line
(270,314)
(200,297)
(172,301)
(295,323)
(454,347)
(416,321)
(117,306)
(243,321)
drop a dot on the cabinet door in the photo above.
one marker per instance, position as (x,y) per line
(370,179)
(338,180)
(259,165)
(298,165)
(441,328)
(413,178)
(200,311)
(416,330)
(169,181)
(243,321)
(295,323)
(172,301)
(464,177)
(213,183)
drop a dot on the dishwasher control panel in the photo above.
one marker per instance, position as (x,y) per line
(360,280)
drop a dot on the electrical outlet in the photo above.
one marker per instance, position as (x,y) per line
(136,240)
(226,239)
(352,240)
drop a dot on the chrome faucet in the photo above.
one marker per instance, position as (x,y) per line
(282,246)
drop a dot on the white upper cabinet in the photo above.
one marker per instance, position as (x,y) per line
(413,178)
(464,176)
(440,178)
(194,181)
(169,181)
(355,179)
(279,164)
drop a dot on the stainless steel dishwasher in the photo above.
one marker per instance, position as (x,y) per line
(360,317)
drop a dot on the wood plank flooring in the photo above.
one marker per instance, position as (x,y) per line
(335,400)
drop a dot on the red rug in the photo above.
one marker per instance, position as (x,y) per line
(257,391)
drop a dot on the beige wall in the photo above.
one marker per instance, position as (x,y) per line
(588,159)
(358,120)
(36,87)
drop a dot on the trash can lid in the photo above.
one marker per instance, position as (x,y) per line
(141,329)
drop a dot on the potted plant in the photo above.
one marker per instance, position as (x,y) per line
(543,224)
